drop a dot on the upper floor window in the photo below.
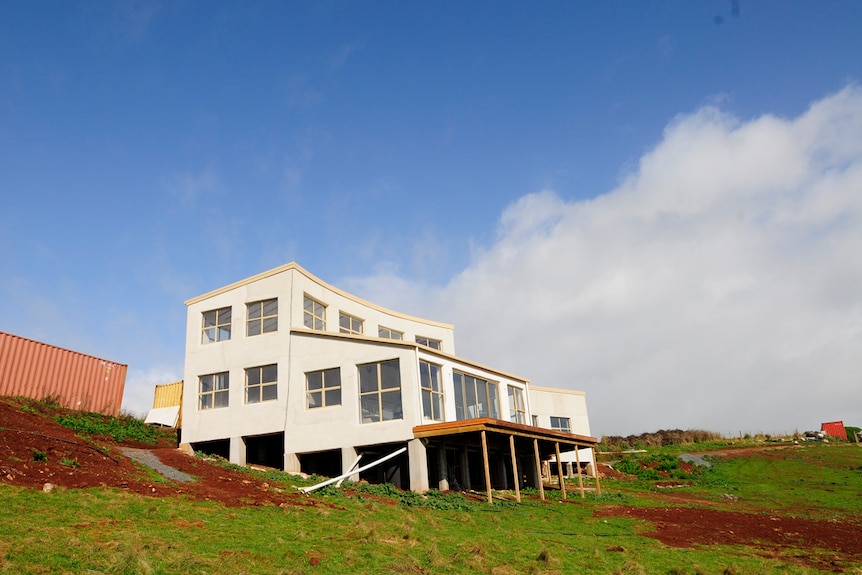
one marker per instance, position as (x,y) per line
(213,390)
(475,397)
(380,391)
(216,325)
(427,341)
(261,383)
(517,408)
(323,388)
(262,317)
(313,314)
(349,324)
(561,424)
(388,333)
(432,391)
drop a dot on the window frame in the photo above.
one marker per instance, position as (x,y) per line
(262,319)
(558,427)
(388,333)
(262,386)
(492,400)
(517,405)
(324,389)
(379,392)
(218,327)
(350,329)
(215,391)
(311,316)
(435,399)
(430,342)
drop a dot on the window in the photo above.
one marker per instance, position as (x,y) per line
(262,317)
(561,424)
(216,325)
(517,408)
(314,314)
(475,397)
(349,324)
(380,391)
(213,390)
(323,388)
(535,421)
(427,341)
(432,391)
(261,383)
(387,333)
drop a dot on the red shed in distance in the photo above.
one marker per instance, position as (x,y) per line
(834,429)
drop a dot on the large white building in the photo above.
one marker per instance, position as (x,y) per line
(285,370)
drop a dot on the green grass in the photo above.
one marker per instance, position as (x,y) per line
(117,428)
(103,531)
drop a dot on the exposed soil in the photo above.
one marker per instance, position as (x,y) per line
(72,462)
(689,521)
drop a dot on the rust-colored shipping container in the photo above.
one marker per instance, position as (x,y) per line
(834,429)
(75,380)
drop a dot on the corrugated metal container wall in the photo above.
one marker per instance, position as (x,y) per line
(170,395)
(834,429)
(37,370)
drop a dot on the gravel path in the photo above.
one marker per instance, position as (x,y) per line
(146,457)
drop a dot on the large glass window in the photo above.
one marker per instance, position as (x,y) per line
(432,391)
(323,388)
(262,317)
(349,324)
(427,341)
(213,390)
(261,383)
(313,314)
(475,397)
(216,325)
(517,408)
(561,424)
(380,391)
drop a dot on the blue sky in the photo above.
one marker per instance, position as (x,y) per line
(453,160)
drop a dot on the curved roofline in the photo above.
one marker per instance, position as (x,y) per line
(293,266)
(557,390)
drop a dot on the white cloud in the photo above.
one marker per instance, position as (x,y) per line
(141,386)
(718,287)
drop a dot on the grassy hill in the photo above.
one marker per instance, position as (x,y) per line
(72,502)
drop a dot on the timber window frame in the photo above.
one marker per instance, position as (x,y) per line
(261,317)
(380,391)
(350,324)
(389,333)
(214,391)
(313,313)
(323,388)
(261,383)
(215,325)
(432,390)
(475,397)
(563,424)
(517,407)
(429,342)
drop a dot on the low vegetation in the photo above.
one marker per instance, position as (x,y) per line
(359,528)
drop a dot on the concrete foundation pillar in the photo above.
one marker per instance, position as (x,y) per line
(443,484)
(237,451)
(348,457)
(418,461)
(291,463)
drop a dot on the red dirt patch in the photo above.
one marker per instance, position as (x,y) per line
(72,462)
(830,544)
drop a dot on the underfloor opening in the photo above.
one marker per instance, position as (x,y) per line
(217,447)
(325,463)
(265,450)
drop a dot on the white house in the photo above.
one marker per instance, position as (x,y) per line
(285,370)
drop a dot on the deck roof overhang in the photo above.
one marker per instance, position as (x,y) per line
(548,439)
